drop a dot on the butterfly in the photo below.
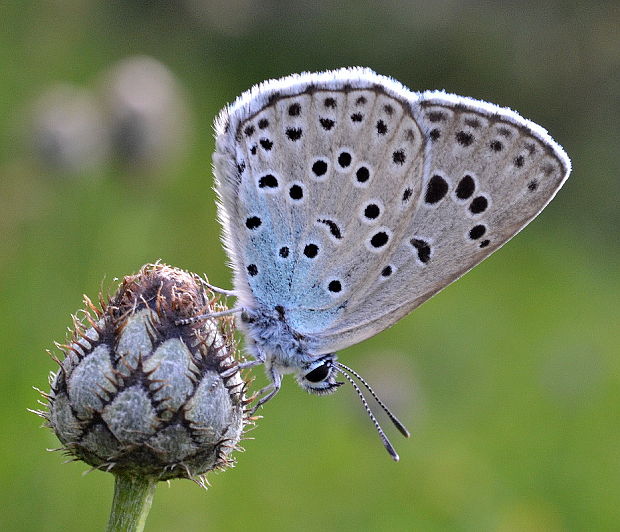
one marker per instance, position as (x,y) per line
(348,200)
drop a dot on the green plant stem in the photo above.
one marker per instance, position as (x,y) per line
(132,501)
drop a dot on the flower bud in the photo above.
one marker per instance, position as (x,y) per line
(68,133)
(138,394)
(147,112)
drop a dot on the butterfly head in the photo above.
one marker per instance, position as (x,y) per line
(318,375)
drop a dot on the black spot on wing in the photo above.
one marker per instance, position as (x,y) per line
(333,227)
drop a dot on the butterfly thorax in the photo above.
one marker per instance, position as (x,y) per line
(274,341)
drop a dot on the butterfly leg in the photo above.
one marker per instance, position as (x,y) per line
(270,390)
(250,363)
(239,367)
(217,290)
(199,317)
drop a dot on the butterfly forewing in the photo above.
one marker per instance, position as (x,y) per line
(349,200)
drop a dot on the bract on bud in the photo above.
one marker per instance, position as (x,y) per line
(138,394)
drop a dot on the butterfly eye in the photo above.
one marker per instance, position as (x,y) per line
(318,374)
(319,377)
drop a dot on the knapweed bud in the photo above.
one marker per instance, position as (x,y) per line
(138,394)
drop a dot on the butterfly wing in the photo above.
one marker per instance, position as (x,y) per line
(349,200)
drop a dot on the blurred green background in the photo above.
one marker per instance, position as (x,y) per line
(509,380)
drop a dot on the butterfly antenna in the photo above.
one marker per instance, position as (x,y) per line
(386,443)
(401,428)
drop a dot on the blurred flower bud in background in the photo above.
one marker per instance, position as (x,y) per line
(147,113)
(68,132)
(137,394)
